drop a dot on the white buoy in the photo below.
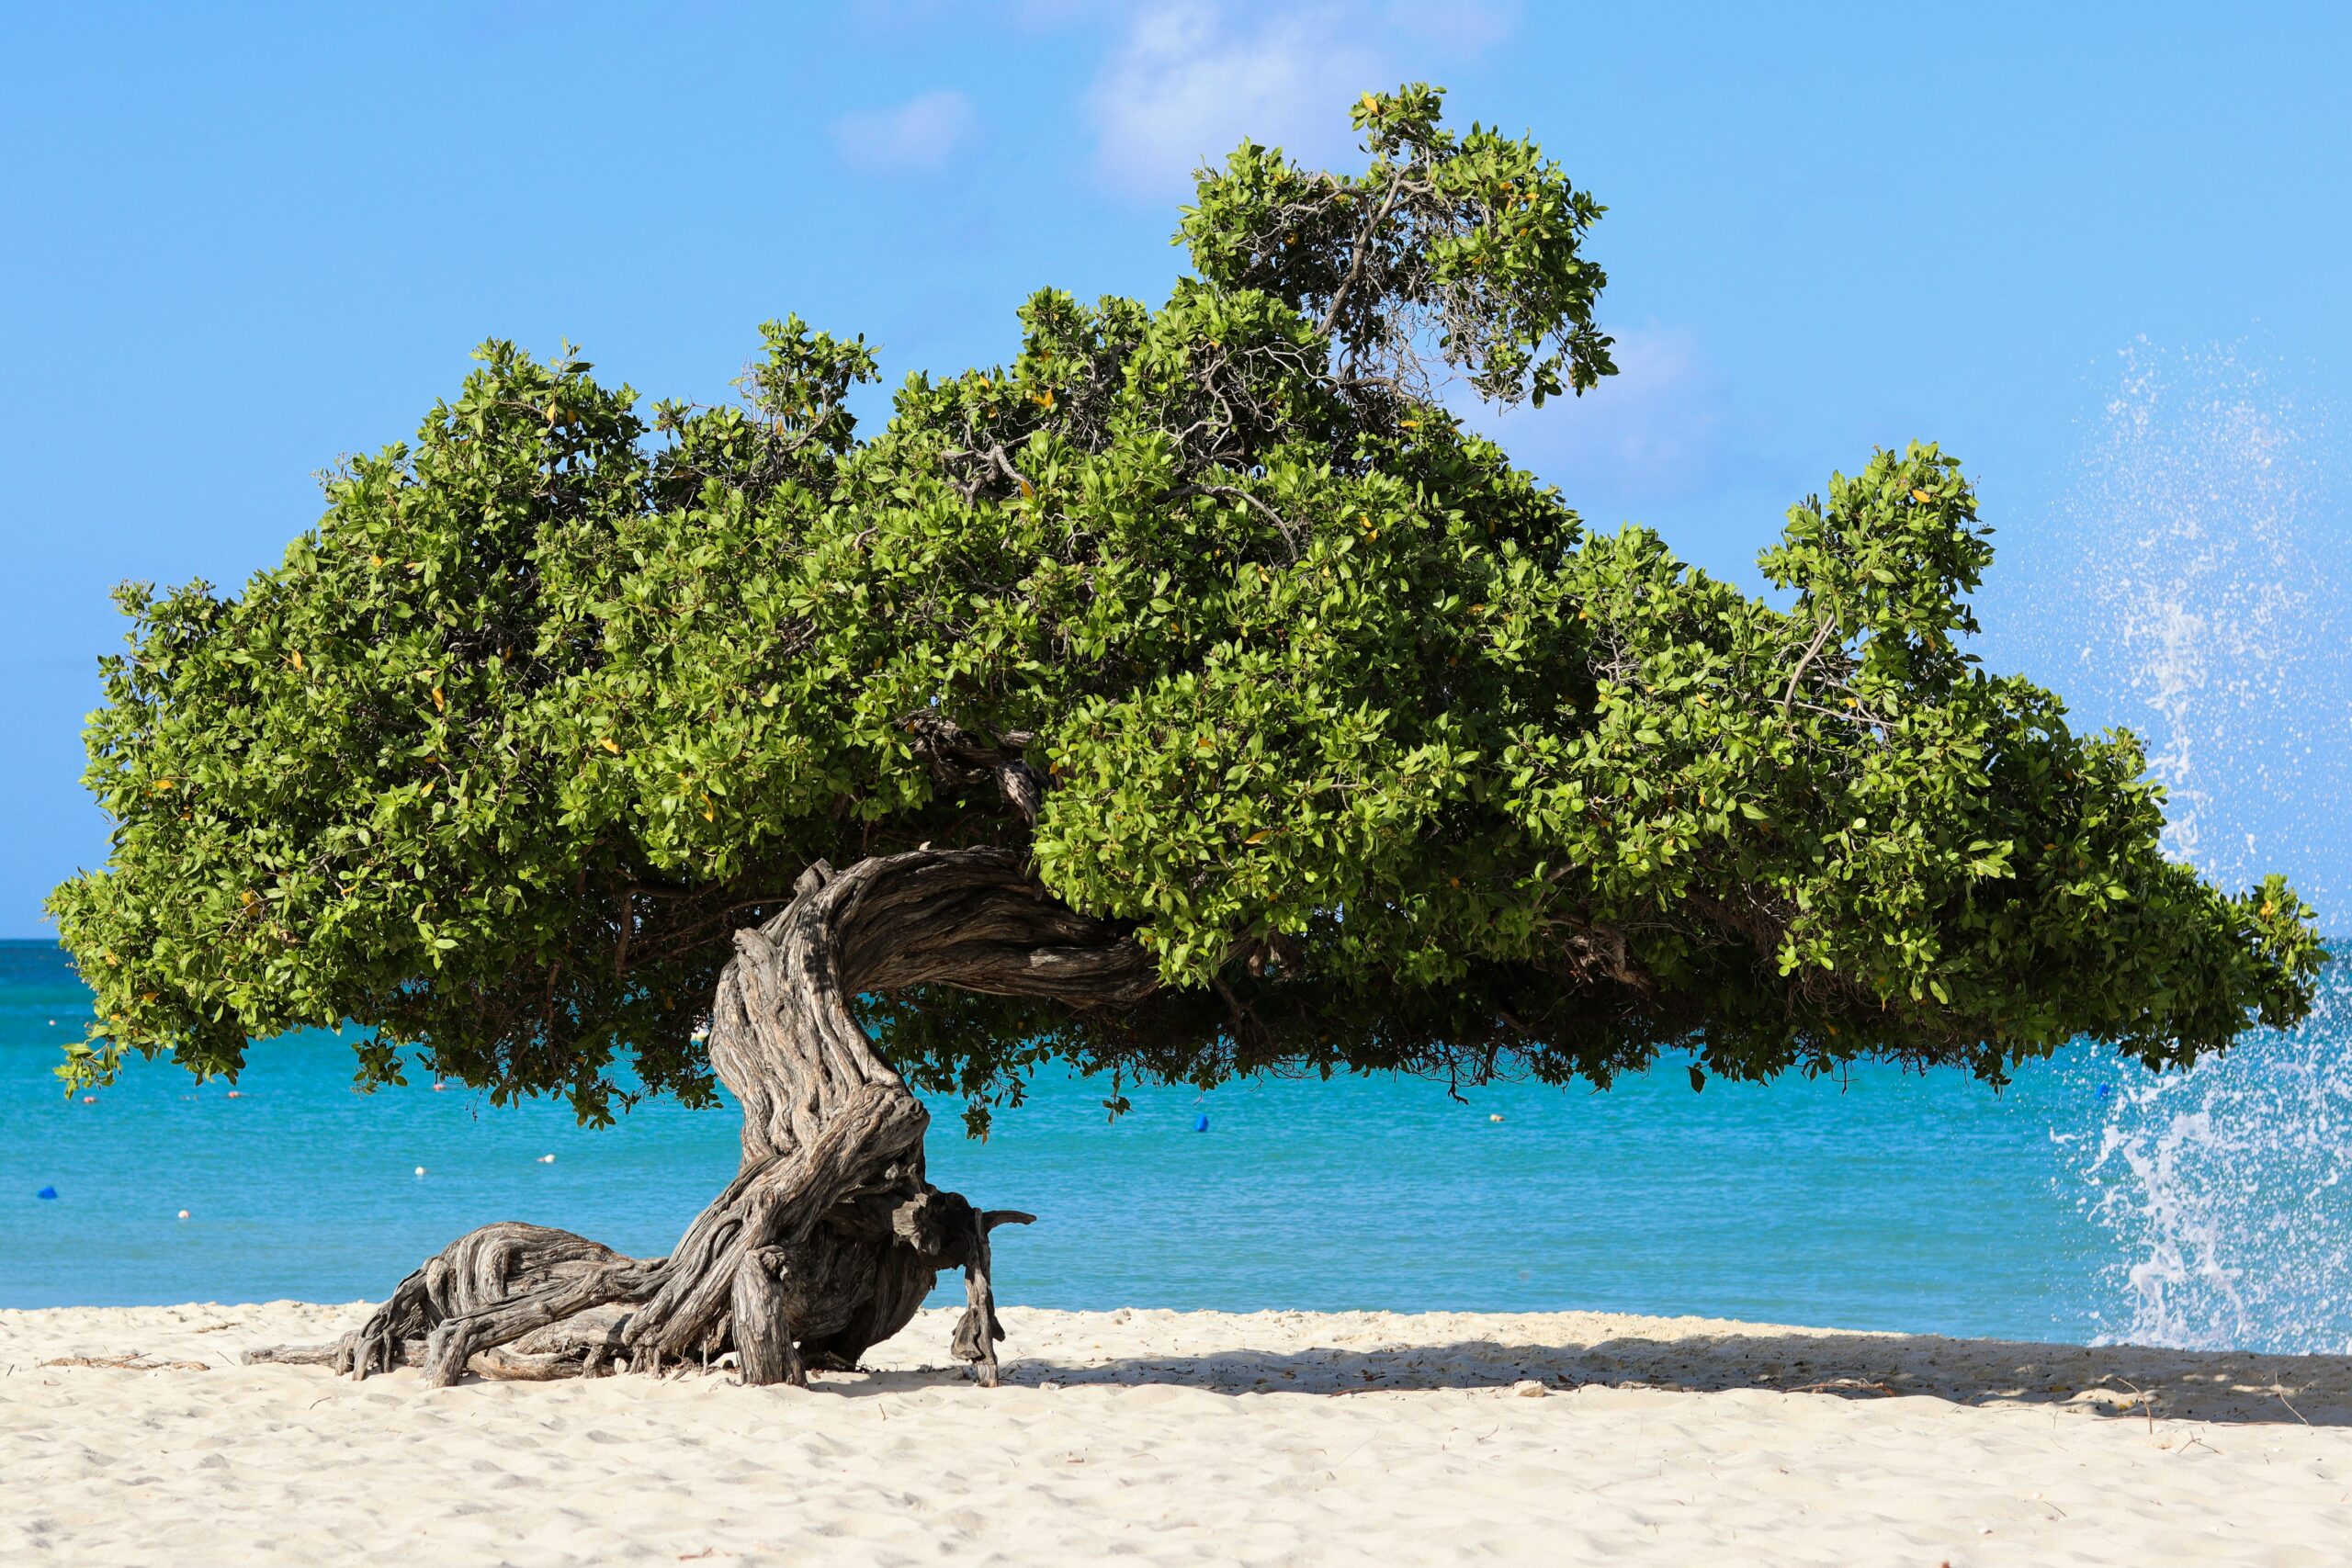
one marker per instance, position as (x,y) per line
(420,1170)
(1496,1117)
(547,1159)
(183,1213)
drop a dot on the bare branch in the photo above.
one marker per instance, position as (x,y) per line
(1811,648)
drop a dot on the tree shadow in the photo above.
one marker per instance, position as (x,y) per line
(2232,1387)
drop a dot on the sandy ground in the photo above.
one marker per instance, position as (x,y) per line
(1185,1438)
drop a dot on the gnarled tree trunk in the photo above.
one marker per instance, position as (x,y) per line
(830,1235)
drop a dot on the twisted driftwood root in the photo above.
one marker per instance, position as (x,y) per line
(830,1236)
(478,1272)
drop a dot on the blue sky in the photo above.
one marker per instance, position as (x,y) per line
(2097,250)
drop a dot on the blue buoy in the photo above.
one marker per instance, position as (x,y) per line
(1201,1124)
(2105,1090)
(49,1192)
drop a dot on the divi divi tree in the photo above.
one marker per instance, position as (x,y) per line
(1196,696)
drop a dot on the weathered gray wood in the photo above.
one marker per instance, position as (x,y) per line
(978,1330)
(830,1235)
(763,1321)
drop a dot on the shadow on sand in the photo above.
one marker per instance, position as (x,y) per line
(2114,1381)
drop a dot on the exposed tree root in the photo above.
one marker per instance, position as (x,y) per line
(830,1235)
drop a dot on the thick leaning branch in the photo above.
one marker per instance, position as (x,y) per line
(830,1235)
(960,758)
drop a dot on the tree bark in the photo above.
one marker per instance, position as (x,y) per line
(830,1235)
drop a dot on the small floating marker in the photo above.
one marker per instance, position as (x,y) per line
(89,1100)
(183,1213)
(1201,1122)
(1495,1116)
(236,1094)
(438,1085)
(2105,1090)
(547,1159)
(420,1170)
(47,1194)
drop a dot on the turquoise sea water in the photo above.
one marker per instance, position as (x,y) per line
(2086,1200)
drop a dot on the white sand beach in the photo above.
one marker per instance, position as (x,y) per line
(1169,1437)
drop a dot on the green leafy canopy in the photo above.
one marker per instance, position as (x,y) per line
(1387,760)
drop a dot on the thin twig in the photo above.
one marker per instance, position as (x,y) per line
(1235,493)
(2146,1408)
(1811,648)
(1355,260)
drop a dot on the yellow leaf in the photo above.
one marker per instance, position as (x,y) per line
(1027,490)
(609,744)
(1921,496)
(1260,837)
(1205,743)
(375,560)
(439,705)
(161,784)
(297,659)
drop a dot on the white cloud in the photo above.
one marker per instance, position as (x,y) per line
(1658,432)
(1190,80)
(1457,28)
(916,137)
(1042,16)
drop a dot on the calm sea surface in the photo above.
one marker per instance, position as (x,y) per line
(1895,1201)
